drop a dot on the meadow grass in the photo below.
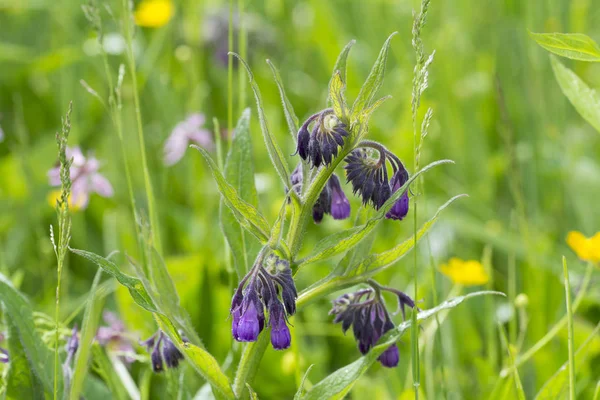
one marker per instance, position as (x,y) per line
(526,158)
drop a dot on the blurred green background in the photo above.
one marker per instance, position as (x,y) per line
(527,160)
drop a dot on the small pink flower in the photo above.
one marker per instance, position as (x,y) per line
(114,336)
(85,178)
(189,130)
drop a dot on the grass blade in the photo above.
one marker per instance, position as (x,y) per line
(89,327)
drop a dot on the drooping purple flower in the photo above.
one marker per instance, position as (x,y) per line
(366,313)
(269,284)
(85,178)
(171,353)
(280,333)
(390,357)
(400,207)
(322,206)
(340,206)
(190,130)
(163,351)
(320,145)
(251,321)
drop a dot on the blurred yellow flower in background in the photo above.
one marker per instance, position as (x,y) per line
(587,249)
(54,196)
(154,13)
(468,273)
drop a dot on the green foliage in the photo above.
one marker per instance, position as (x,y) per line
(373,82)
(38,355)
(585,100)
(273,148)
(239,172)
(22,382)
(576,46)
(202,361)
(246,214)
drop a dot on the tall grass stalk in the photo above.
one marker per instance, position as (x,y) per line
(61,243)
(128,33)
(419,85)
(571,334)
(557,327)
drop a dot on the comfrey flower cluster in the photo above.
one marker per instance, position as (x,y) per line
(162,351)
(269,285)
(367,174)
(365,311)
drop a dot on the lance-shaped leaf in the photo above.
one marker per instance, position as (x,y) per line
(21,381)
(340,65)
(91,318)
(201,360)
(300,390)
(40,357)
(377,262)
(239,172)
(575,46)
(343,241)
(338,384)
(337,91)
(364,267)
(288,109)
(275,152)
(585,100)
(374,80)
(134,285)
(245,213)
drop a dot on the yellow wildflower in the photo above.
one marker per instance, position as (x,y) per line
(154,13)
(468,273)
(54,195)
(587,249)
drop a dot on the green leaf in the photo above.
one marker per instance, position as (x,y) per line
(272,147)
(298,394)
(340,65)
(89,327)
(338,384)
(288,109)
(556,386)
(165,296)
(40,357)
(345,240)
(246,214)
(585,100)
(378,262)
(575,46)
(104,367)
(239,172)
(374,80)
(337,91)
(134,285)
(253,395)
(202,361)
(21,382)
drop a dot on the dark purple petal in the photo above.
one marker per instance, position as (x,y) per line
(400,208)
(280,333)
(171,354)
(157,359)
(390,357)
(249,325)
(340,206)
(303,142)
